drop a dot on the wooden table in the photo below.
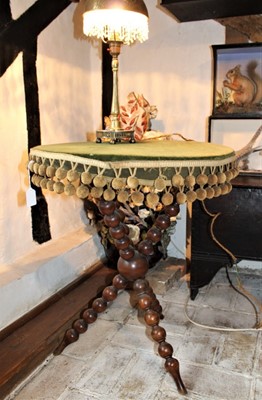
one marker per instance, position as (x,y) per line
(145,178)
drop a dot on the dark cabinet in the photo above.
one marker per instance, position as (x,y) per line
(238,228)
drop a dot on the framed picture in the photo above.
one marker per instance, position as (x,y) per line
(237,91)
(238,133)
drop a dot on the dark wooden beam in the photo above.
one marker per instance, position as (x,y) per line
(17,35)
(5,13)
(40,220)
(107,82)
(31,95)
(249,26)
(196,10)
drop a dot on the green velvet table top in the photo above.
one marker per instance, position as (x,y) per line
(154,150)
(128,170)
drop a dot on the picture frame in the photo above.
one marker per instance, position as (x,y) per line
(237,80)
(237,133)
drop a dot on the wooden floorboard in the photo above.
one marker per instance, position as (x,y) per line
(29,345)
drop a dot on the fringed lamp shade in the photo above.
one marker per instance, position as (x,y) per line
(116,22)
(124,21)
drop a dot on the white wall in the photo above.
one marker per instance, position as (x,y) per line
(69,82)
(70,107)
(173,70)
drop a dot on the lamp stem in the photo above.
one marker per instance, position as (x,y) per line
(115,49)
(113,131)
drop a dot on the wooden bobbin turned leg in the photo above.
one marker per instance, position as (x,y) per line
(132,267)
(147,300)
(89,315)
(158,333)
(113,219)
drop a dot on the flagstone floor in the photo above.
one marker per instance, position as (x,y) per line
(117,360)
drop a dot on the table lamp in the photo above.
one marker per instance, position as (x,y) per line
(116,22)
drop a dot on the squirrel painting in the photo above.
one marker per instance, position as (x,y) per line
(246,89)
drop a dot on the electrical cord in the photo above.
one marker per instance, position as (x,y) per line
(258,325)
(245,296)
(217,328)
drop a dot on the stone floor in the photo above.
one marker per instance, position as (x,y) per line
(116,359)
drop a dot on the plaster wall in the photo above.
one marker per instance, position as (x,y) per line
(173,70)
(69,80)
(70,106)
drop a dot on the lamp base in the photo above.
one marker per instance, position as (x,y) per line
(115,136)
